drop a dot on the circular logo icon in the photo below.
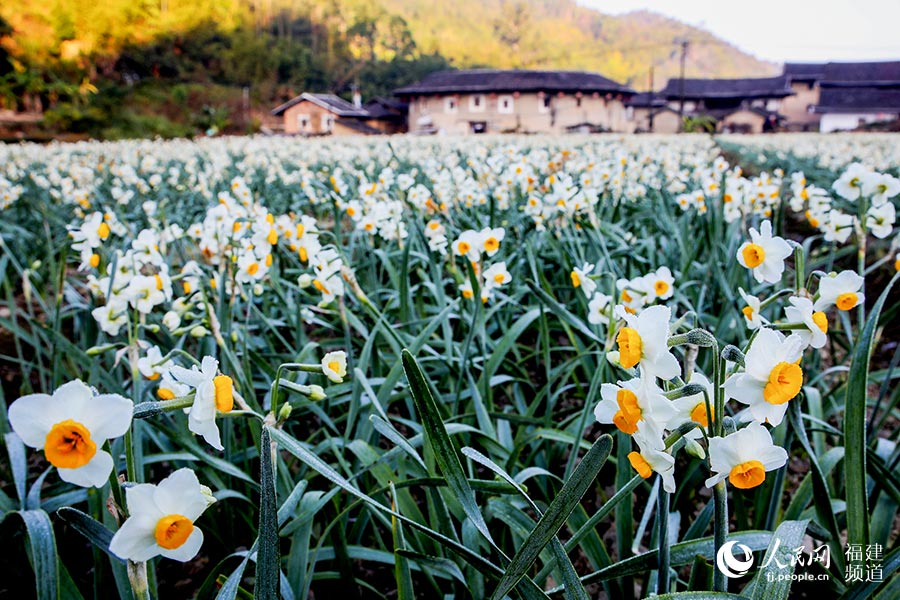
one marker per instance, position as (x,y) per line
(730,565)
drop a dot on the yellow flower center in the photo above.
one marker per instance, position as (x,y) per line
(847,300)
(640,464)
(727,198)
(576,279)
(252,268)
(335,366)
(821,321)
(748,312)
(172,531)
(268,260)
(464,247)
(224,393)
(95,260)
(661,287)
(629,413)
(699,415)
(165,393)
(784,383)
(272,238)
(467,294)
(499,278)
(304,255)
(351,211)
(747,474)
(626,297)
(153,376)
(812,220)
(630,347)
(186,287)
(320,286)
(753,255)
(103,231)
(300,230)
(69,445)
(491,244)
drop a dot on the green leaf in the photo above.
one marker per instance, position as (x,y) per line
(268,560)
(16,450)
(680,554)
(401,563)
(855,427)
(557,513)
(772,582)
(42,550)
(93,530)
(700,596)
(444,452)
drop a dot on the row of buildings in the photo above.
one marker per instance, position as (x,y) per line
(805,97)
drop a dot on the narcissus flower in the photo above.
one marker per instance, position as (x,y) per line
(581,278)
(214,392)
(744,457)
(161,521)
(630,402)
(644,341)
(334,366)
(660,283)
(652,456)
(598,309)
(752,316)
(802,311)
(764,254)
(772,377)
(490,239)
(496,275)
(693,408)
(71,426)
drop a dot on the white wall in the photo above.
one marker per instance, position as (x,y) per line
(843,121)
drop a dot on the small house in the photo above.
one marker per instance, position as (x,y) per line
(324,114)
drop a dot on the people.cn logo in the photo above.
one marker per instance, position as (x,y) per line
(730,565)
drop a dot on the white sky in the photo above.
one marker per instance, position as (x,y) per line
(787,30)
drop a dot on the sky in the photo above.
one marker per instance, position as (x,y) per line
(786,30)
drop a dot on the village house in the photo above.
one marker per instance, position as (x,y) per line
(325,114)
(515,101)
(852,95)
(799,109)
(648,112)
(736,105)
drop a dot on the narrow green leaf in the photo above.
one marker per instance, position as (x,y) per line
(16,450)
(700,596)
(772,582)
(855,427)
(42,545)
(680,554)
(267,558)
(444,452)
(556,515)
(401,563)
(93,530)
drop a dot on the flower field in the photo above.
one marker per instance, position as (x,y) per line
(565,367)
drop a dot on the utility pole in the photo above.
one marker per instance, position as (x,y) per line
(684,48)
(650,110)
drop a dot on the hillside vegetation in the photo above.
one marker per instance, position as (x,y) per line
(123,68)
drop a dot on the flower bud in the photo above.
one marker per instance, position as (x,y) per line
(698,337)
(694,448)
(199,331)
(305,280)
(317,393)
(284,412)
(691,389)
(733,354)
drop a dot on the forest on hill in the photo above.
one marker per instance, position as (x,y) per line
(126,68)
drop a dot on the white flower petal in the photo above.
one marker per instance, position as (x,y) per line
(135,540)
(94,474)
(179,493)
(33,416)
(187,550)
(106,416)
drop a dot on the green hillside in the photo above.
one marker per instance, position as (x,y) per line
(121,68)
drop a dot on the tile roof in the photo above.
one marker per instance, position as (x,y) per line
(329,102)
(494,80)
(804,71)
(859,99)
(862,73)
(647,100)
(765,87)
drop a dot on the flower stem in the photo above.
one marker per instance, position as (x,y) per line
(662,520)
(137,575)
(720,532)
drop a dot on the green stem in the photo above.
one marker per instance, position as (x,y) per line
(720,532)
(662,519)
(137,575)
